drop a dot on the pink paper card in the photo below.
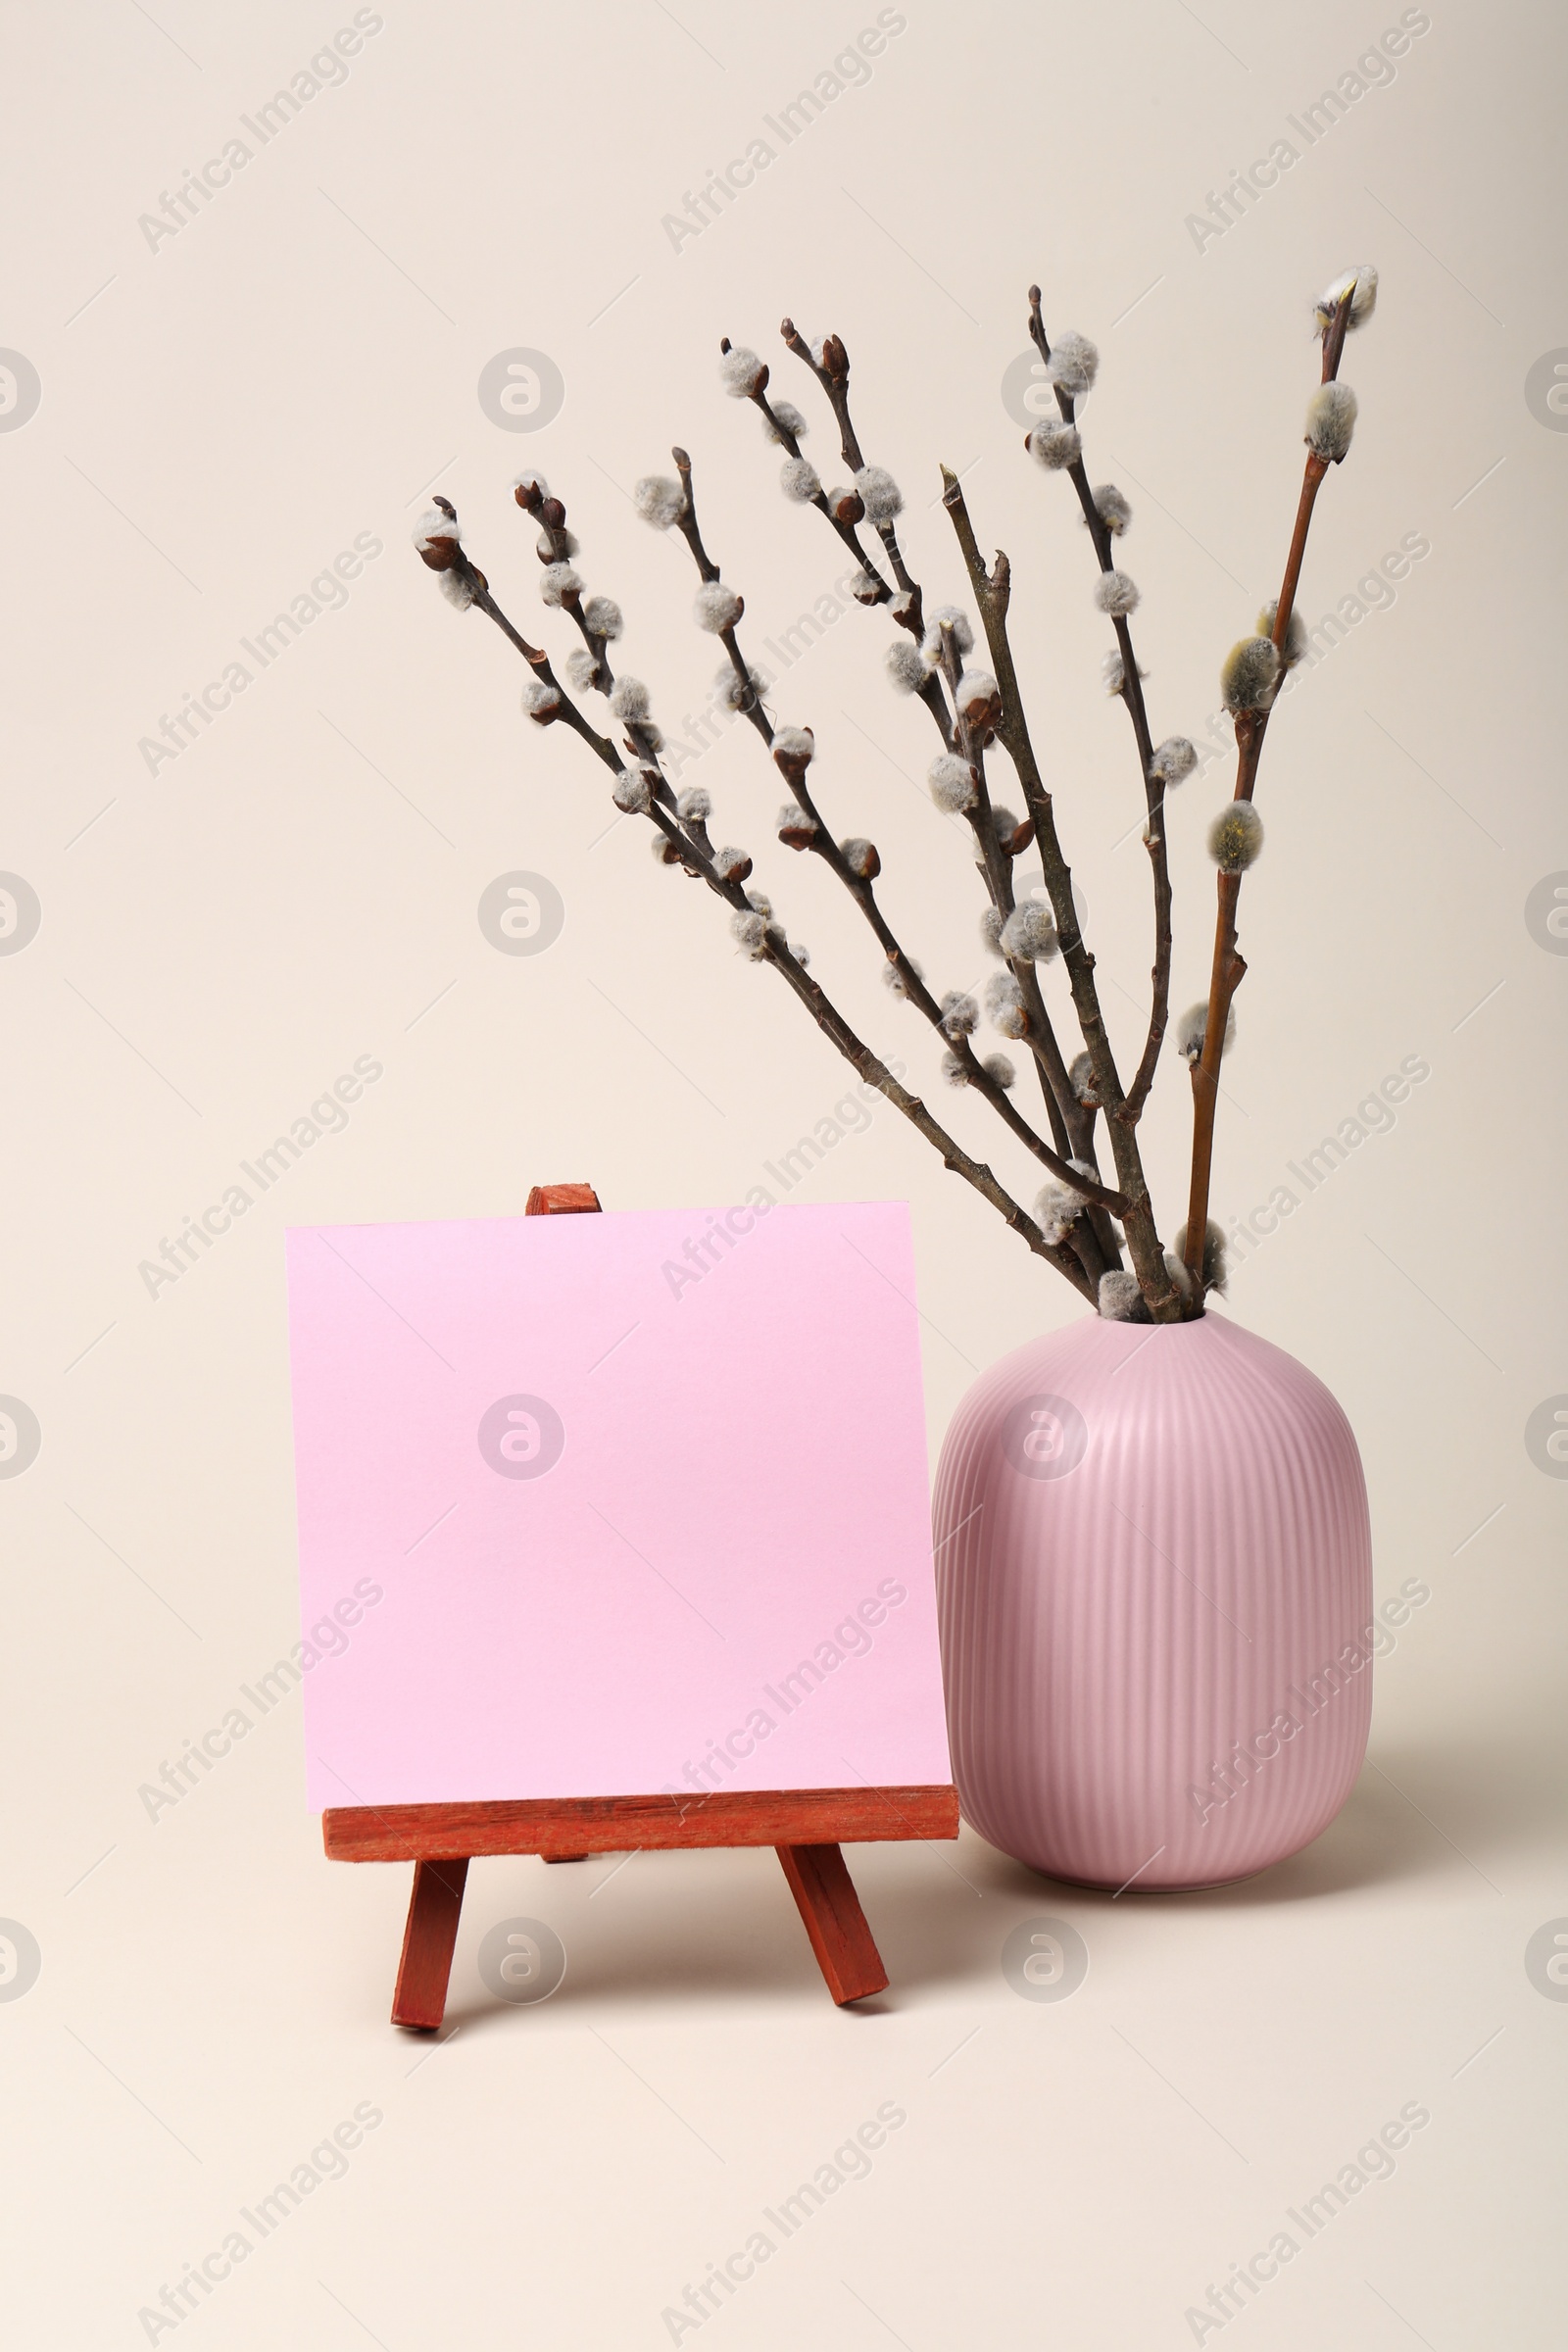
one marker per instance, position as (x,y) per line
(598,1506)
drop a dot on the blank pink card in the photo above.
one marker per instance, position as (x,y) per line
(597,1505)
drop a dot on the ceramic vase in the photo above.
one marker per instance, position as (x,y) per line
(1155,1578)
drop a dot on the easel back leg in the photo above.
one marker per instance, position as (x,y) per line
(429,1941)
(824,1892)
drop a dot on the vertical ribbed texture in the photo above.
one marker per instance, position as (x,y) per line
(1113,1637)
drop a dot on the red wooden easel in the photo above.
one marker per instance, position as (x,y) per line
(806,1827)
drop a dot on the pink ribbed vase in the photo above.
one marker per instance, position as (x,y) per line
(1154,1574)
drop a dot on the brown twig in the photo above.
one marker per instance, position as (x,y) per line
(1131,693)
(992,592)
(859,887)
(1229,968)
(694,850)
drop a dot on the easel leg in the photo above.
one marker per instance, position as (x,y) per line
(834,1921)
(429,1940)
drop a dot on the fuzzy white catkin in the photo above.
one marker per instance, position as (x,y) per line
(548,546)
(1054,443)
(658,500)
(801,951)
(793,743)
(880,494)
(1236,837)
(859,855)
(893,979)
(786,419)
(864,589)
(748,931)
(694,807)
(1295,647)
(1116,594)
(1005,823)
(1081,1078)
(1005,1006)
(628,700)
(797,478)
(793,818)
(760,902)
(1074,362)
(632,792)
(1331,421)
(952,782)
(1000,1069)
(729,862)
(538,697)
(602,615)
(961,1015)
(1029,933)
(1214,1269)
(1120,1298)
(976,691)
(740,372)
(727,686)
(435,525)
(954,1070)
(456,588)
(905,668)
(581,667)
(956,623)
(1192,1028)
(532,483)
(1057,1206)
(1112,508)
(1363,301)
(990,930)
(1173,760)
(717,607)
(1112,670)
(1249,675)
(557,580)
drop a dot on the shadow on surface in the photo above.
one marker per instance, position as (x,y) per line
(679,1930)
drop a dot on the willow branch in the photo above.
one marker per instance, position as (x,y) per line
(689,844)
(832,373)
(859,887)
(1131,694)
(1229,968)
(991,594)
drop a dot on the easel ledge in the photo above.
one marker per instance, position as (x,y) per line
(806,1827)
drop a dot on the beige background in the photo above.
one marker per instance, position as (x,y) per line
(220,417)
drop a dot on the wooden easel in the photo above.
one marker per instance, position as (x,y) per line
(806,1827)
